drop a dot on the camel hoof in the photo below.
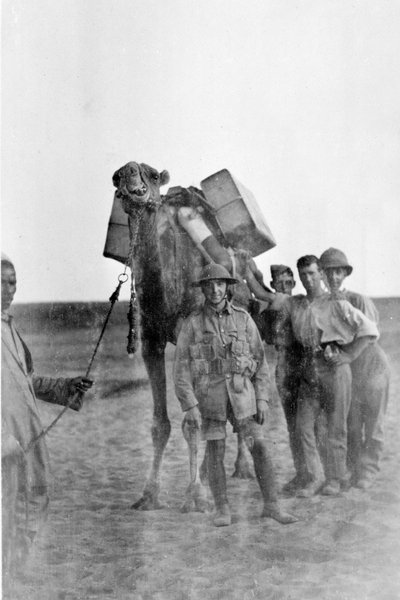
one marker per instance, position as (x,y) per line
(202,505)
(243,472)
(188,506)
(147,502)
(196,499)
(198,505)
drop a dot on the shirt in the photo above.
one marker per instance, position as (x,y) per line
(323,320)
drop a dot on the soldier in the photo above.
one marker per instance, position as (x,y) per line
(332,334)
(371,376)
(220,374)
(287,376)
(25,473)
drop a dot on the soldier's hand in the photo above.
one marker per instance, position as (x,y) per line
(193,417)
(339,358)
(262,411)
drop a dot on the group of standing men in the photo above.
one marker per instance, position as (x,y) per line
(331,375)
(331,369)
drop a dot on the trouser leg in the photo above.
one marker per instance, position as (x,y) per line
(307,414)
(354,435)
(337,398)
(290,409)
(375,405)
(216,471)
(288,391)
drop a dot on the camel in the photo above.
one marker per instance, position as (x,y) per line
(164,261)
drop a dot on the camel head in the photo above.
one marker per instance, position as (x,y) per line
(138,185)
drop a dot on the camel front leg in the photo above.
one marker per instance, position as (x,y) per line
(154,359)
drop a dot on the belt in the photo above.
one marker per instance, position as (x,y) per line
(222,366)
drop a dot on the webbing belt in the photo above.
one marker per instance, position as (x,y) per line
(222,366)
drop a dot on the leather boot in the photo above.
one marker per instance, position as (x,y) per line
(274,511)
(222,516)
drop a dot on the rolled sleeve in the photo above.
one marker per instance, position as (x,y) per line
(362,326)
(55,391)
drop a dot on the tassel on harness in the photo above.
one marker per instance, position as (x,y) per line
(132,317)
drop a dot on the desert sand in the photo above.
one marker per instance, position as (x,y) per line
(95,546)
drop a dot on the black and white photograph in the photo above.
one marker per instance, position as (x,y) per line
(200,359)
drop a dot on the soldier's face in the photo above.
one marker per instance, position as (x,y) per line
(283,283)
(8,285)
(311,278)
(335,277)
(214,291)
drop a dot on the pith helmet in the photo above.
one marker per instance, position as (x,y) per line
(335,258)
(214,271)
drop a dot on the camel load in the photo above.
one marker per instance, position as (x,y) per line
(228,211)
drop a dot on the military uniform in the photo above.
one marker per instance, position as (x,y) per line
(220,367)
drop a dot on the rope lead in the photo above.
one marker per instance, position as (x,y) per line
(113,299)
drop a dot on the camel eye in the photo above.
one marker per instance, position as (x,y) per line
(155,175)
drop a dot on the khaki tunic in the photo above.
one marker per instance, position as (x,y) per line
(219,359)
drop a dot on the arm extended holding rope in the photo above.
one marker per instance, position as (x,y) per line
(77,386)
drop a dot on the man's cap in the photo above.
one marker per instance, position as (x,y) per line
(278,270)
(335,258)
(214,271)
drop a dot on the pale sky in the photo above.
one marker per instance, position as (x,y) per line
(300,100)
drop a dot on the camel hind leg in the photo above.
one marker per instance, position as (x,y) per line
(196,494)
(243,469)
(154,359)
(242,465)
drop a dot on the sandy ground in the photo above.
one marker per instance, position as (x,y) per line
(95,546)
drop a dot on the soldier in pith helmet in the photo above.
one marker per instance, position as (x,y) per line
(335,258)
(370,376)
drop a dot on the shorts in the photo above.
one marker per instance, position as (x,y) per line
(216,430)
